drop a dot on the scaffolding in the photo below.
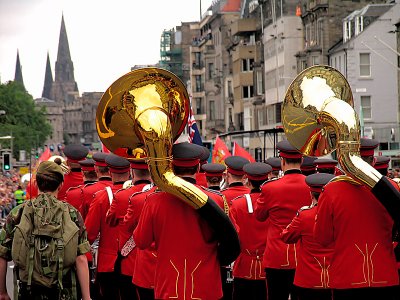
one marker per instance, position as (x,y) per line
(170,53)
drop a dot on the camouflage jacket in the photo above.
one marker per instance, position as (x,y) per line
(14,217)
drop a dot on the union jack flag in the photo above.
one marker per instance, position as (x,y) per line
(194,133)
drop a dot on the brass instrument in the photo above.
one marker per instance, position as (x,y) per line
(148,108)
(318,117)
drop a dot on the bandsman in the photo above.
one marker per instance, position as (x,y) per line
(104,179)
(249,276)
(141,180)
(187,247)
(200,176)
(275,163)
(277,205)
(307,166)
(235,178)
(313,260)
(214,175)
(96,225)
(74,195)
(74,154)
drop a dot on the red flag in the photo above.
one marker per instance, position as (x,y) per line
(239,151)
(45,155)
(220,152)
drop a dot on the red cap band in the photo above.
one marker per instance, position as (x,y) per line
(100,164)
(367,152)
(290,154)
(261,177)
(235,172)
(185,162)
(119,170)
(139,166)
(74,160)
(316,189)
(215,174)
(87,168)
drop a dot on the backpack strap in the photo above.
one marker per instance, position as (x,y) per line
(30,263)
(16,287)
(60,248)
(110,194)
(249,203)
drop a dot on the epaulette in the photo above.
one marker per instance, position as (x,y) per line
(270,180)
(145,189)
(87,184)
(211,191)
(74,187)
(119,190)
(238,197)
(97,192)
(303,208)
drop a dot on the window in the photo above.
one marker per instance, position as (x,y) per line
(320,31)
(247,91)
(197,59)
(262,117)
(210,71)
(359,26)
(212,110)
(198,83)
(247,64)
(365,65)
(315,60)
(230,93)
(259,82)
(366,107)
(199,106)
(247,115)
(271,114)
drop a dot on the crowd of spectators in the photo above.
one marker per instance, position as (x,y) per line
(9,183)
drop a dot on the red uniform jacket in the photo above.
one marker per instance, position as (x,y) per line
(187,266)
(278,203)
(357,224)
(96,223)
(145,260)
(88,192)
(252,235)
(234,190)
(313,260)
(72,179)
(201,179)
(115,217)
(74,196)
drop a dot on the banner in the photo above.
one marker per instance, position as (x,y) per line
(194,133)
(239,151)
(220,151)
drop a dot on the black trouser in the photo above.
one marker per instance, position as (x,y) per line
(108,283)
(145,294)
(249,289)
(36,292)
(313,294)
(381,293)
(280,284)
(126,288)
(227,286)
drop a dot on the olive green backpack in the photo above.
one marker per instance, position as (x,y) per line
(45,243)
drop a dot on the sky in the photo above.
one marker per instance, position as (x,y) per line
(106,38)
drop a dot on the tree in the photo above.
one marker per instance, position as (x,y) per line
(25,122)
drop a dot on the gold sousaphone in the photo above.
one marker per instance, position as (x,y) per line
(148,108)
(318,117)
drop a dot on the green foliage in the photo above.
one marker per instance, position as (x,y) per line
(27,124)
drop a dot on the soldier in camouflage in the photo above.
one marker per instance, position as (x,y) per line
(49,182)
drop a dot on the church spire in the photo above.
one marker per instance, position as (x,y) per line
(18,71)
(64,85)
(64,67)
(48,79)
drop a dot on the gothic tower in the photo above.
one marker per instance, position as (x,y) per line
(18,71)
(48,80)
(64,87)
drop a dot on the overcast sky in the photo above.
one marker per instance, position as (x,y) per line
(106,38)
